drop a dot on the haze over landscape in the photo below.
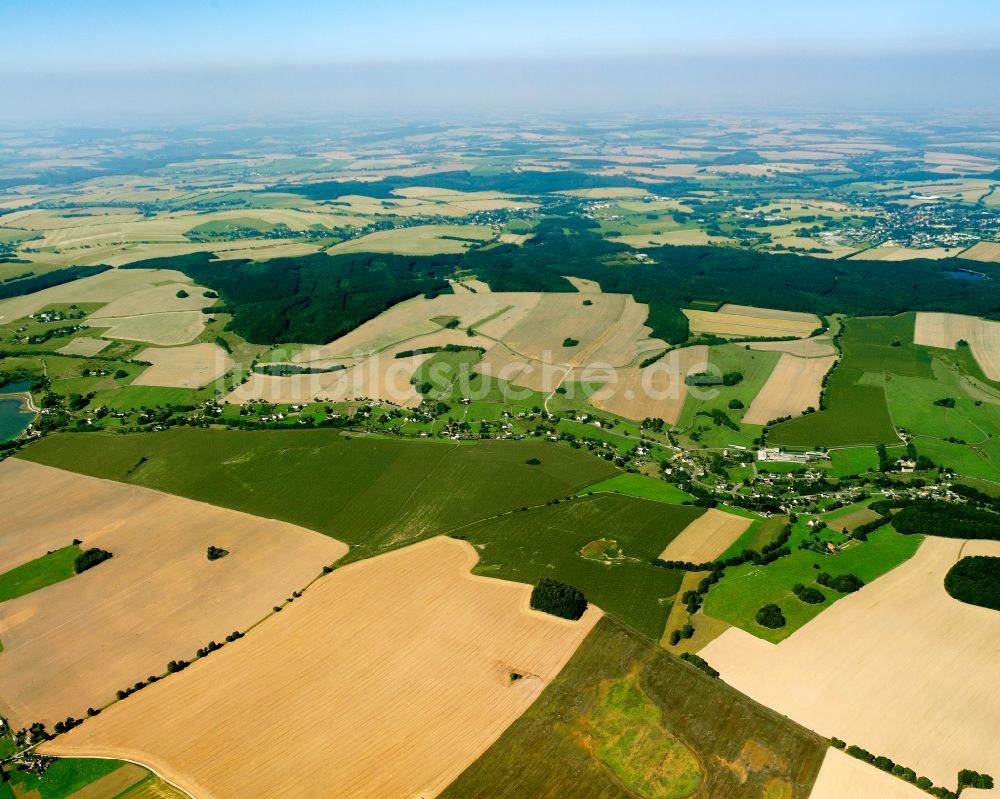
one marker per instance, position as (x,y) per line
(538,400)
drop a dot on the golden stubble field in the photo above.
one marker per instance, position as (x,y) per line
(706,537)
(794,385)
(945,330)
(744,321)
(387,678)
(897,657)
(73,644)
(193,366)
(523,335)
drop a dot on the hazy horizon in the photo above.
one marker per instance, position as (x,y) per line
(113,62)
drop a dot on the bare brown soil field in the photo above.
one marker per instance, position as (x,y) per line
(846,777)
(794,385)
(84,345)
(658,391)
(411,692)
(71,645)
(804,347)
(987,251)
(946,329)
(897,656)
(744,325)
(706,537)
(184,367)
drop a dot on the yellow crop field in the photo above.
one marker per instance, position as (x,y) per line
(73,644)
(184,367)
(794,385)
(418,240)
(706,537)
(411,692)
(745,322)
(945,330)
(906,655)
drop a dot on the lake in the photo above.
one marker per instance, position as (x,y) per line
(964,274)
(13,420)
(16,388)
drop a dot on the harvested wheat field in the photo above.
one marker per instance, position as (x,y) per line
(746,322)
(986,251)
(387,678)
(897,656)
(658,391)
(71,645)
(583,285)
(383,377)
(164,329)
(896,253)
(418,240)
(408,320)
(794,385)
(107,287)
(804,347)
(706,537)
(84,345)
(946,329)
(846,777)
(184,367)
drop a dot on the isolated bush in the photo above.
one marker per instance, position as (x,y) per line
(90,558)
(770,616)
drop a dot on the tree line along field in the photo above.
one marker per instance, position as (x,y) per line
(372,493)
(626,719)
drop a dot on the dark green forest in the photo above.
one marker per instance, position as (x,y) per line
(315,298)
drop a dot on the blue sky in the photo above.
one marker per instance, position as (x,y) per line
(101,60)
(54,36)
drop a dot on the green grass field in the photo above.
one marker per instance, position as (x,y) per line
(857,411)
(615,573)
(38,573)
(580,739)
(756,367)
(853,460)
(63,778)
(637,485)
(374,493)
(745,589)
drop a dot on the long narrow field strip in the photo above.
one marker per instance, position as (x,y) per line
(387,678)
(945,330)
(794,385)
(184,367)
(707,537)
(746,321)
(73,644)
(897,656)
(817,347)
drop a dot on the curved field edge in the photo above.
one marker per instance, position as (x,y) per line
(553,748)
